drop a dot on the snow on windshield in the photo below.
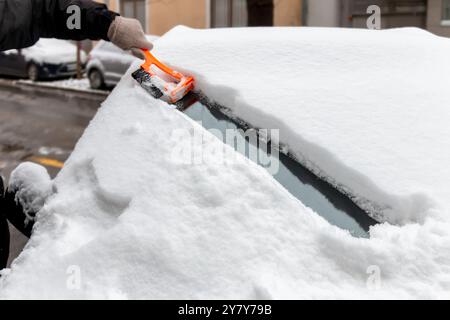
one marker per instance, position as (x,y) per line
(366,110)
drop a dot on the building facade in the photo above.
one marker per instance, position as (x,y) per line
(353,13)
(159,16)
(432,15)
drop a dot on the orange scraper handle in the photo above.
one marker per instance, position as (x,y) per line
(151,60)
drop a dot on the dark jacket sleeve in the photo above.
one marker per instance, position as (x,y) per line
(23,22)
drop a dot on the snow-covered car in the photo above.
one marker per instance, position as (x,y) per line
(107,64)
(151,205)
(48,58)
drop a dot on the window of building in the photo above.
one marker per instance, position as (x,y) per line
(228,13)
(241,13)
(445,9)
(445,22)
(134,9)
(260,13)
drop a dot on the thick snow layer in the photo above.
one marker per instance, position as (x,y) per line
(76,84)
(53,51)
(130,220)
(367,110)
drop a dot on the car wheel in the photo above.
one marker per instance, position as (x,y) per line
(96,79)
(33,72)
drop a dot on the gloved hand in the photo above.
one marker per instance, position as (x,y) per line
(128,34)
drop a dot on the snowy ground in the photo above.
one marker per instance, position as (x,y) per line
(71,84)
(364,109)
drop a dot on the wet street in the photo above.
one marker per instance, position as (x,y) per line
(41,125)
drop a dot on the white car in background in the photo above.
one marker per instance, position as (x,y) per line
(107,64)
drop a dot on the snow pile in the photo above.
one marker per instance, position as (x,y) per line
(53,51)
(129,220)
(77,84)
(32,185)
(81,85)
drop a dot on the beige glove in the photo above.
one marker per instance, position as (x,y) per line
(127,34)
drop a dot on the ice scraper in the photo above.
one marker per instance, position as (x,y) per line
(164,83)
